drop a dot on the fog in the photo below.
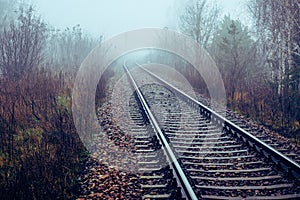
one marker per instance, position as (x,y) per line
(99,17)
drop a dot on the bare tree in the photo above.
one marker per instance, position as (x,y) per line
(278,28)
(67,49)
(21,44)
(200,20)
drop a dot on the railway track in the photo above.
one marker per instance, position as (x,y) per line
(187,151)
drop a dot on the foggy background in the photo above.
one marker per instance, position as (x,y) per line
(112,17)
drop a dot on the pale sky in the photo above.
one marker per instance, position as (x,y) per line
(111,17)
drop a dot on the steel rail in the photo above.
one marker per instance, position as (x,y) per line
(180,174)
(278,158)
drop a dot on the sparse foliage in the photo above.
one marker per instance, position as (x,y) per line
(21,44)
(67,49)
(38,141)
